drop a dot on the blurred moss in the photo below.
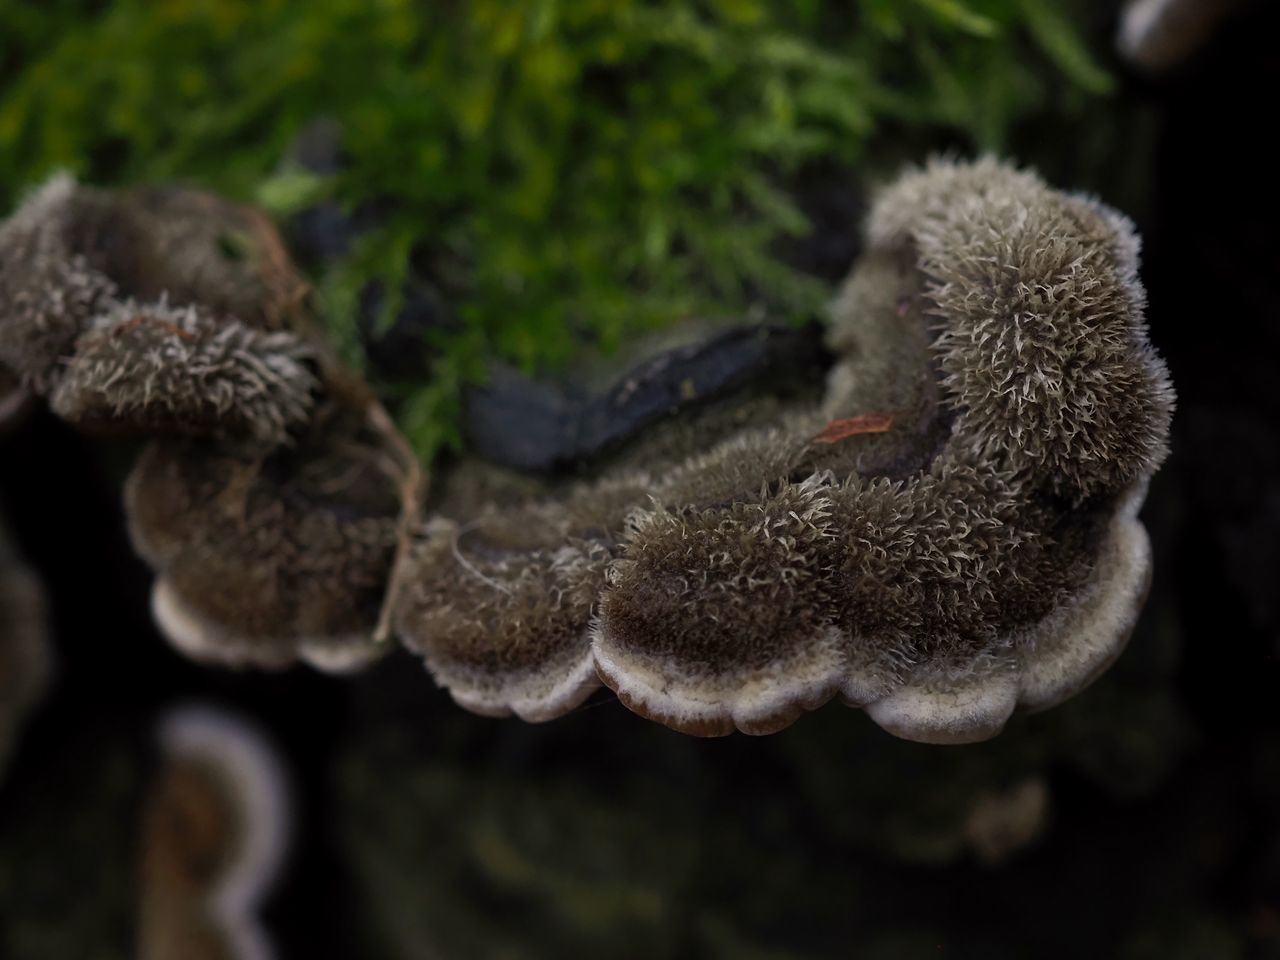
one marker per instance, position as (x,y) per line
(596,167)
(605,835)
(602,835)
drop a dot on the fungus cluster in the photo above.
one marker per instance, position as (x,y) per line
(949,531)
(269,498)
(941,529)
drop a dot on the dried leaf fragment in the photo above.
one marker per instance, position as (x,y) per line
(838,430)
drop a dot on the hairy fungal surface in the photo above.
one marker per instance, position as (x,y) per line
(262,562)
(215,833)
(949,530)
(179,370)
(270,498)
(154,311)
(49,293)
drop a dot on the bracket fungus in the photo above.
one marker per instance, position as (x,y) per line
(270,499)
(215,833)
(183,371)
(139,311)
(948,531)
(941,530)
(263,561)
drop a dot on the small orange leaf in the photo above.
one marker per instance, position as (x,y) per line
(838,430)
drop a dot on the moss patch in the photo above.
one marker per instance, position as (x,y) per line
(569,171)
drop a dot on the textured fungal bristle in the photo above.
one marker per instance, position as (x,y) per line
(263,562)
(501,606)
(160,369)
(161,310)
(48,292)
(214,838)
(270,508)
(975,548)
(725,607)
(1042,340)
(1072,646)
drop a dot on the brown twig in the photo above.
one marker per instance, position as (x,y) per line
(413,490)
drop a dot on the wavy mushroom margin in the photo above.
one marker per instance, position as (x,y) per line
(1042,666)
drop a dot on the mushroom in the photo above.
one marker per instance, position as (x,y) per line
(949,532)
(25,658)
(182,370)
(499,591)
(49,292)
(215,834)
(261,562)
(154,310)
(269,502)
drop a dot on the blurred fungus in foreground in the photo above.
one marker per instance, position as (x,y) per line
(969,545)
(215,832)
(1157,36)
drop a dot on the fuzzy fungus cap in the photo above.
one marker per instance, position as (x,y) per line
(216,829)
(182,371)
(155,310)
(950,531)
(1042,340)
(49,292)
(265,561)
(269,502)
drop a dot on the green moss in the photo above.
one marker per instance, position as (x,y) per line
(593,167)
